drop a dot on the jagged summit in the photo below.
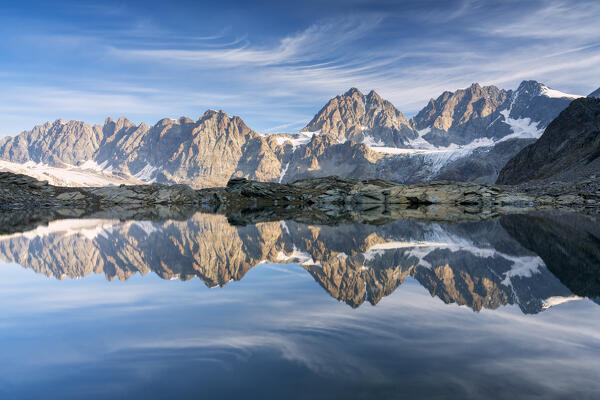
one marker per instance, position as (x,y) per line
(354,116)
(352,91)
(452,110)
(120,121)
(530,88)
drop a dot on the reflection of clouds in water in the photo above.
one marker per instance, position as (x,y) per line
(279,315)
(33,293)
(331,340)
(409,339)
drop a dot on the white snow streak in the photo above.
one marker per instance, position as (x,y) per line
(146,173)
(546,91)
(283,171)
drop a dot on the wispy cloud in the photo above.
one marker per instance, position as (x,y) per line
(408,55)
(313,45)
(562,20)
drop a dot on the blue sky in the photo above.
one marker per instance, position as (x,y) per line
(273,63)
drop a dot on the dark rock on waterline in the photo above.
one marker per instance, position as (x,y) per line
(330,195)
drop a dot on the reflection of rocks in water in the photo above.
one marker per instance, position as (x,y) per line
(568,243)
(477,264)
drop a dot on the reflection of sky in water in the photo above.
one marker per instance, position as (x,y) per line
(277,335)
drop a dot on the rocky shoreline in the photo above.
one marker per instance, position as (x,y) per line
(21,192)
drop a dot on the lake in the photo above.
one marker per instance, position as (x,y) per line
(206,307)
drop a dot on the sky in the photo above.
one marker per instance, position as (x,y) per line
(273,63)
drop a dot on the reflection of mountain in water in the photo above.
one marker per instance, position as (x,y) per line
(475,264)
(569,244)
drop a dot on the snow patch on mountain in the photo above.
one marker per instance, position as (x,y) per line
(94,166)
(146,174)
(548,92)
(523,128)
(372,143)
(283,171)
(299,139)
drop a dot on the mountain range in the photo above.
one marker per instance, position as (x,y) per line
(466,135)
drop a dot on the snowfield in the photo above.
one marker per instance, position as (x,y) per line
(87,174)
(298,139)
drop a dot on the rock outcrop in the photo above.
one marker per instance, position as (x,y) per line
(24,192)
(569,149)
(329,193)
(324,193)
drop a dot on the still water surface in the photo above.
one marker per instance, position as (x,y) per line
(199,308)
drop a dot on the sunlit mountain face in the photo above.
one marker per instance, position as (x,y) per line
(514,260)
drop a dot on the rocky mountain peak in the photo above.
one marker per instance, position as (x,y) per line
(222,119)
(475,87)
(538,102)
(373,97)
(353,116)
(530,88)
(352,92)
(595,93)
(121,123)
(185,120)
(164,122)
(58,143)
(452,111)
(209,113)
